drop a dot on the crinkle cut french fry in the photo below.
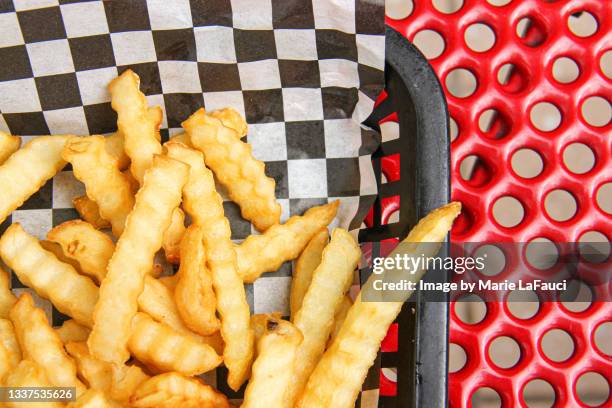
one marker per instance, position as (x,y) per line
(71,331)
(305,265)
(172,390)
(8,339)
(126,380)
(72,294)
(181,138)
(114,147)
(139,127)
(236,168)
(205,206)
(171,241)
(273,368)
(315,318)
(28,374)
(8,145)
(40,343)
(90,248)
(168,350)
(5,363)
(231,119)
(267,252)
(89,211)
(356,345)
(104,183)
(169,282)
(7,298)
(28,169)
(133,258)
(93,399)
(96,374)
(56,249)
(194,295)
(340,316)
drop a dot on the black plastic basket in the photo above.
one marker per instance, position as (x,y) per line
(415,94)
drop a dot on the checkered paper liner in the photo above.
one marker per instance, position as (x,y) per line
(303,73)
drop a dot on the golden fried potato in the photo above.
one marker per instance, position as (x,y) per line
(81,242)
(340,316)
(96,374)
(114,148)
(172,390)
(5,363)
(273,368)
(56,249)
(28,169)
(205,206)
(7,298)
(139,126)
(281,243)
(126,379)
(171,241)
(194,295)
(182,138)
(356,345)
(231,119)
(89,211)
(162,347)
(104,183)
(235,168)
(41,344)
(71,331)
(315,319)
(29,374)
(72,294)
(169,282)
(93,399)
(8,145)
(133,258)
(305,265)
(8,339)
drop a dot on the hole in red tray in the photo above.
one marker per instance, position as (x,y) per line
(508,211)
(557,345)
(475,171)
(582,24)
(504,352)
(398,9)
(470,309)
(486,397)
(593,389)
(527,163)
(565,70)
(494,124)
(499,3)
(578,296)
(446,6)
(560,205)
(578,158)
(479,37)
(494,259)
(513,78)
(596,111)
(523,304)
(605,64)
(541,253)
(539,393)
(461,83)
(453,129)
(531,31)
(594,247)
(456,358)
(430,43)
(545,116)
(603,338)
(604,197)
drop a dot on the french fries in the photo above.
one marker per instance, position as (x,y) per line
(104,183)
(340,316)
(205,206)
(40,343)
(171,241)
(235,168)
(72,294)
(281,243)
(8,145)
(56,249)
(8,340)
(93,399)
(88,210)
(114,147)
(172,390)
(7,299)
(195,299)
(182,138)
(71,331)
(90,248)
(305,265)
(231,119)
(42,157)
(272,370)
(315,319)
(140,128)
(96,374)
(133,258)
(158,345)
(28,374)
(354,349)
(126,379)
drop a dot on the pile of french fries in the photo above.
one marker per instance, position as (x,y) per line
(138,339)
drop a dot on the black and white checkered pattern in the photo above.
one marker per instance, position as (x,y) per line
(304,74)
